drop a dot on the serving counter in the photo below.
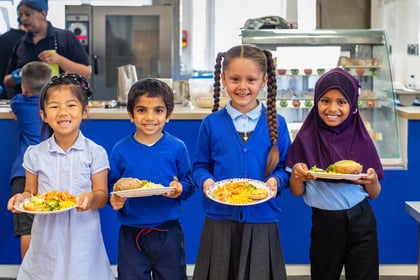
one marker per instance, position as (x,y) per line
(396,231)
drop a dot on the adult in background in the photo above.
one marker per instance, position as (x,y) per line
(7,42)
(44,42)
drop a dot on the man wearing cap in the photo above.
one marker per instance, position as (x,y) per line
(44,42)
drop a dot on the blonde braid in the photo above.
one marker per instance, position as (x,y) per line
(273,156)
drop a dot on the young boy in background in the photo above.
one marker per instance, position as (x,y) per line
(25,107)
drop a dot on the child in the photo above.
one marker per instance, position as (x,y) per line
(66,245)
(25,107)
(151,241)
(243,140)
(343,224)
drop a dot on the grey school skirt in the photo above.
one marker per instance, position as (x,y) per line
(239,251)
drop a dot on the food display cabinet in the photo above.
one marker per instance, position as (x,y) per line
(302,57)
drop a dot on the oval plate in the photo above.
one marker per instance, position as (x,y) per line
(144,192)
(20,208)
(256,183)
(337,176)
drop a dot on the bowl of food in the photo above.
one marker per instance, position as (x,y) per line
(201,93)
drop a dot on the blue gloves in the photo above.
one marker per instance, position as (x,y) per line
(16,76)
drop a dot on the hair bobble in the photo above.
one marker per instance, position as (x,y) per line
(75,79)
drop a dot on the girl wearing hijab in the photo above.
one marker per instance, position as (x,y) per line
(343,224)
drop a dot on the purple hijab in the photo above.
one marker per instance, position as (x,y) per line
(319,144)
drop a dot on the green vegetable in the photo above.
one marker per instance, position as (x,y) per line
(52,204)
(330,168)
(308,103)
(316,169)
(251,187)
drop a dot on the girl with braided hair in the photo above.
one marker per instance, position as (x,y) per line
(244,139)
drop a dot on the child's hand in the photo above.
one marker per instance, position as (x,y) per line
(14,200)
(370,183)
(178,189)
(300,172)
(371,178)
(207,183)
(85,201)
(272,183)
(117,202)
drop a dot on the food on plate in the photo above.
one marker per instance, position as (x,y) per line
(345,166)
(258,194)
(370,103)
(238,192)
(307,71)
(130,183)
(50,201)
(320,71)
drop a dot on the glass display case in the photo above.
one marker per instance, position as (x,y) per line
(301,57)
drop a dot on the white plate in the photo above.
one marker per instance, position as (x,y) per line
(256,183)
(20,208)
(144,192)
(336,176)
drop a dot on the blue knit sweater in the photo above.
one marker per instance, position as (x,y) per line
(221,154)
(159,164)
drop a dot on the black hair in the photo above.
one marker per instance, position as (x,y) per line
(77,84)
(151,87)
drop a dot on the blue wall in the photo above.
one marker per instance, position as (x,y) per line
(396,229)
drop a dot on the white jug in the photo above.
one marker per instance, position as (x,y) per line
(127,76)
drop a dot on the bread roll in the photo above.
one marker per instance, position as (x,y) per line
(129,183)
(347,167)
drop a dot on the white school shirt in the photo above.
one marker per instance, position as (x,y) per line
(67,245)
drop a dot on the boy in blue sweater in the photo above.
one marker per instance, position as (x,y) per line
(151,241)
(25,107)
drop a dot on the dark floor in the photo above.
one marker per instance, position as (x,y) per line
(308,278)
(342,278)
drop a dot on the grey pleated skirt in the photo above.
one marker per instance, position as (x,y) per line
(239,251)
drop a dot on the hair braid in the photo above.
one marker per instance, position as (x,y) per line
(273,155)
(217,85)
